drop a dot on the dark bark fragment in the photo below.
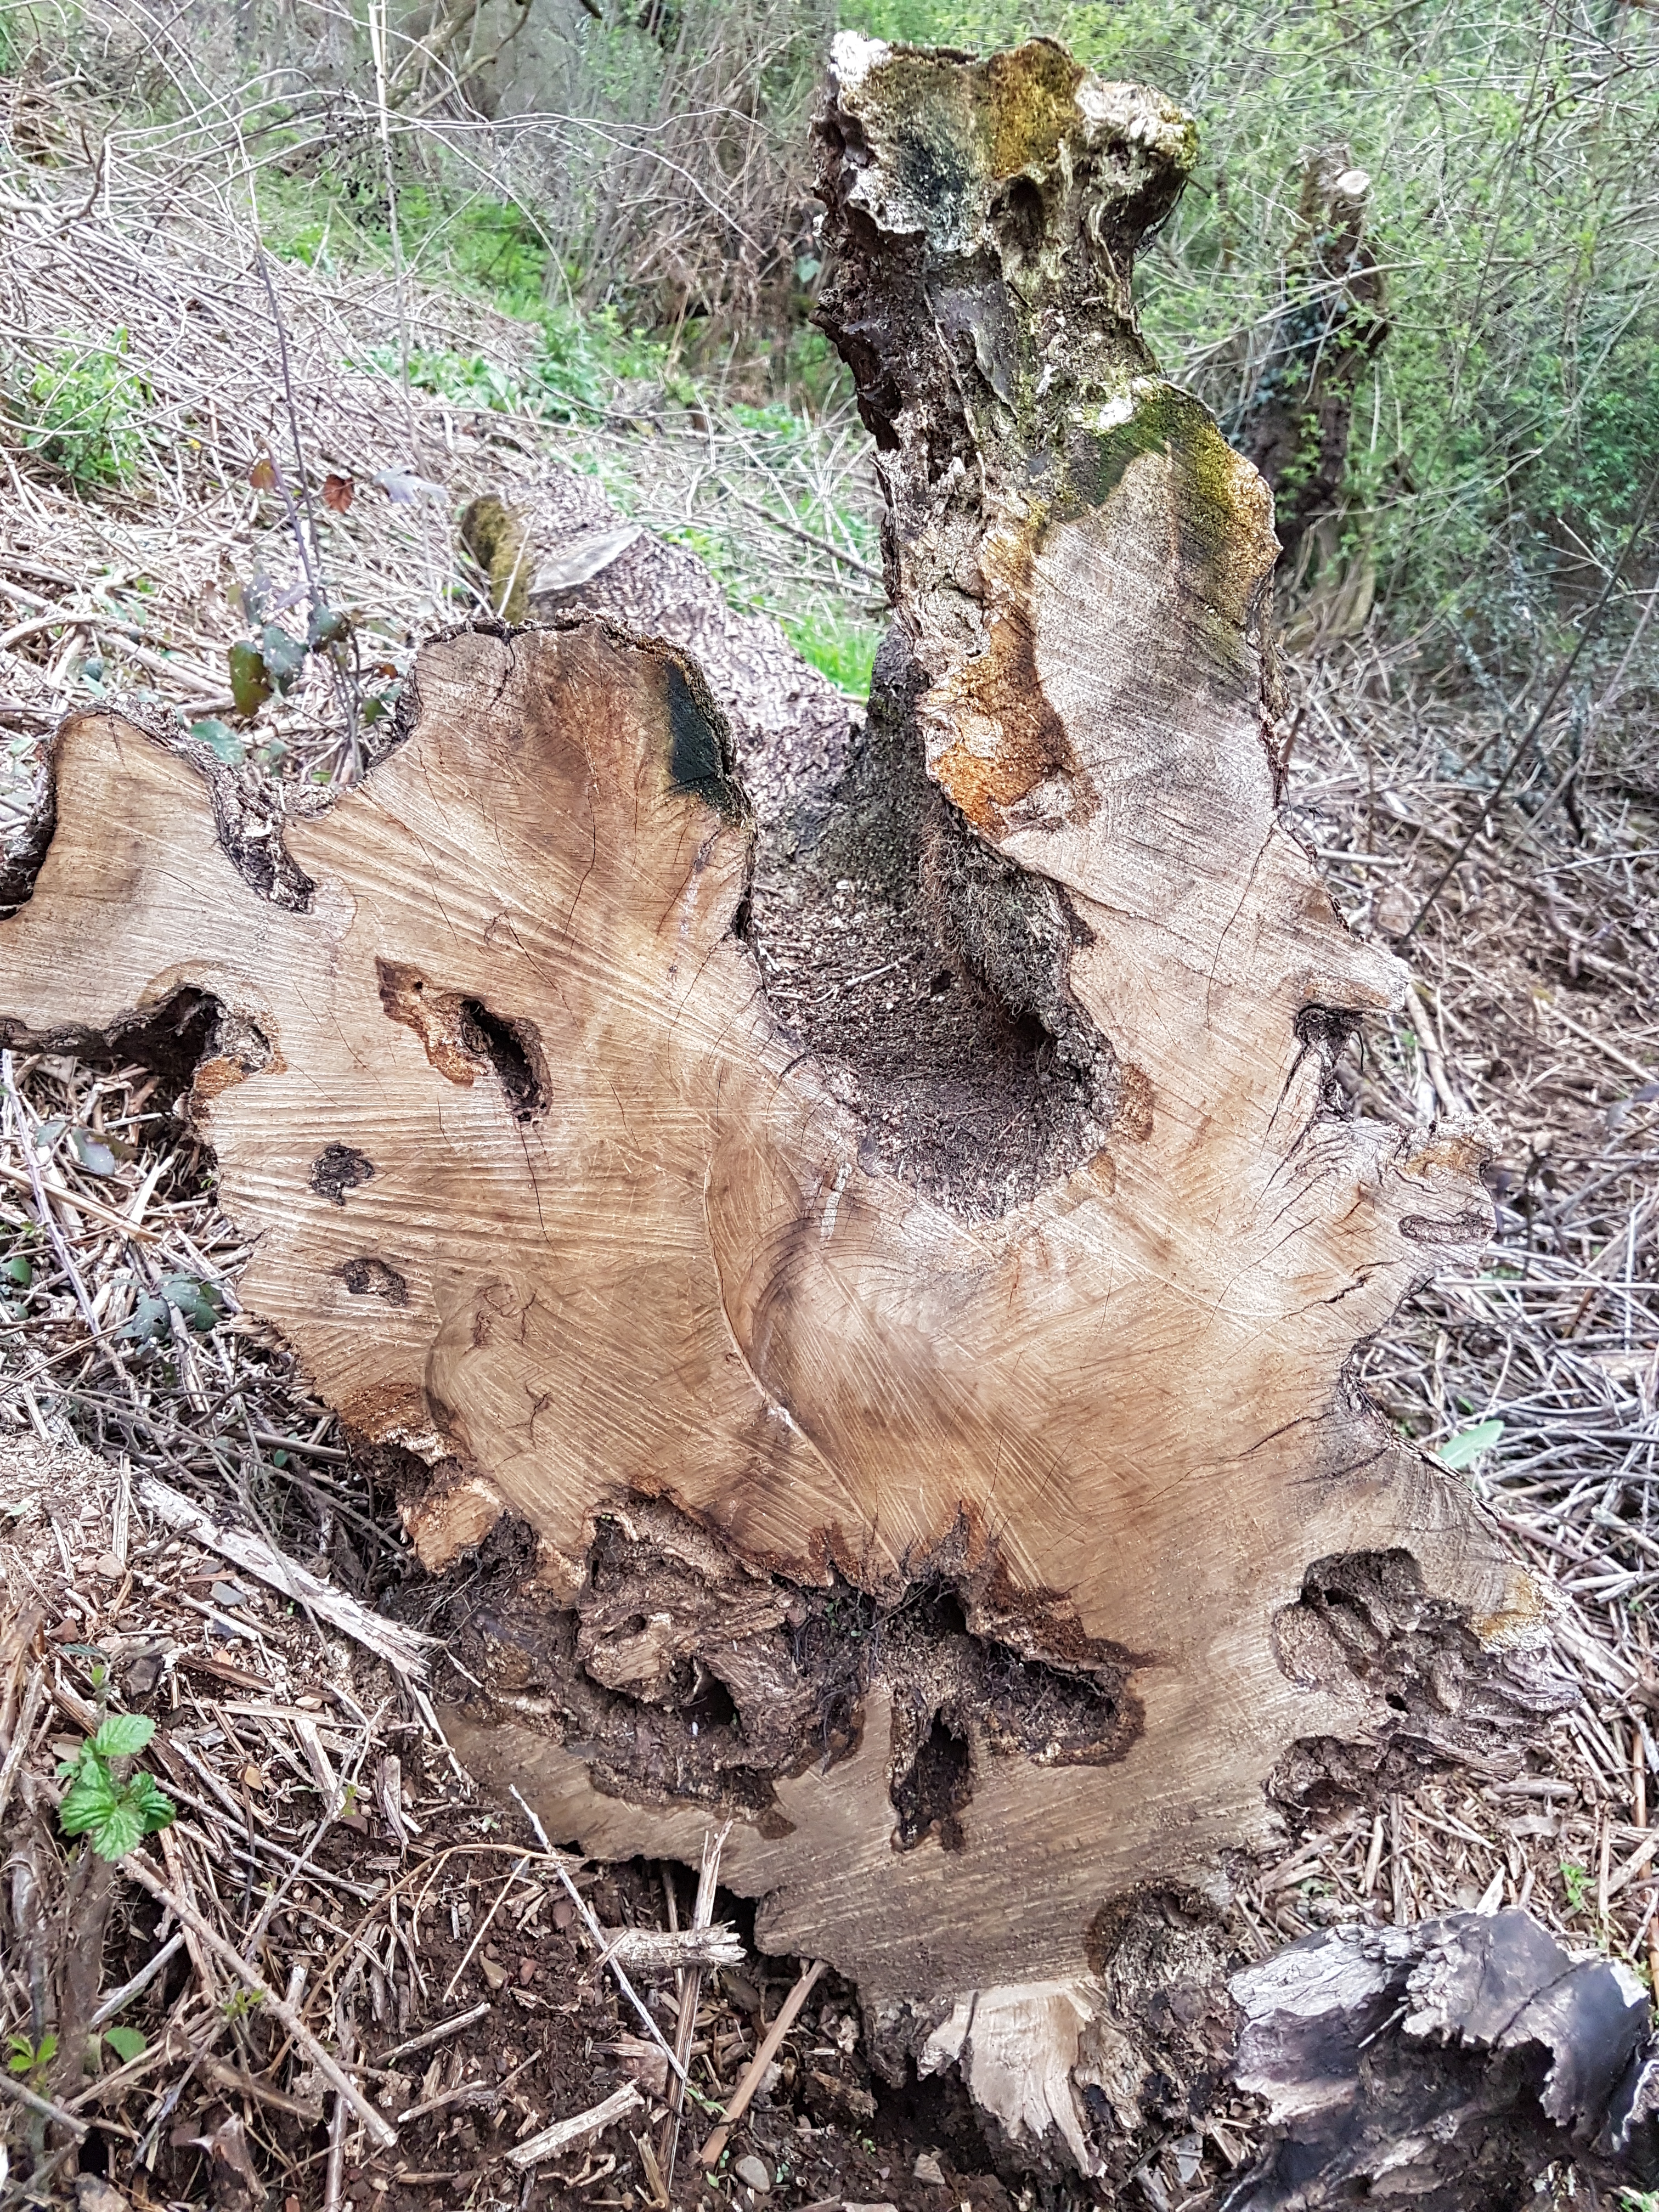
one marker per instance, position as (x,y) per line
(1448,2064)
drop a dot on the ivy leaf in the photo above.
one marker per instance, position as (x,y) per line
(250,681)
(126,2043)
(1467,1445)
(148,1320)
(201,1304)
(121,1735)
(283,656)
(326,627)
(220,739)
(17,1270)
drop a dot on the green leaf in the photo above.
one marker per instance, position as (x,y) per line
(201,1304)
(119,1829)
(121,1734)
(1469,1443)
(126,2043)
(326,627)
(220,739)
(250,683)
(18,1270)
(148,1320)
(90,1799)
(23,2056)
(92,1153)
(284,656)
(151,1803)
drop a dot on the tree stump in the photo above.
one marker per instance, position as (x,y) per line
(1297,422)
(870,1287)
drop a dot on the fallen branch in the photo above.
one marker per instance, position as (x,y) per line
(404,1649)
(656,1952)
(20,2094)
(788,2013)
(562,2133)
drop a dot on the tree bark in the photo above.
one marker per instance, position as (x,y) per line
(868,1278)
(1298,422)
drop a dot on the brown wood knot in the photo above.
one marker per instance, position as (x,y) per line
(1133,1117)
(366,1277)
(460,1035)
(338,1169)
(1474,1227)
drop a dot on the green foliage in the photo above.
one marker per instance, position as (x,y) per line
(571,373)
(115,1815)
(24,2057)
(839,646)
(1575,1881)
(81,412)
(201,1303)
(127,2043)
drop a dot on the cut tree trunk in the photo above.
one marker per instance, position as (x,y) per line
(871,1284)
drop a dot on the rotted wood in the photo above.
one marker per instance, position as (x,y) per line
(861,1291)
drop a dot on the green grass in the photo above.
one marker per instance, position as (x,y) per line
(841,646)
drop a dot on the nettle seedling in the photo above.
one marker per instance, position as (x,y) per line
(114,1815)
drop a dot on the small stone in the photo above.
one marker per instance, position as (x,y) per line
(494,1973)
(927,2168)
(94,2194)
(108,1566)
(754,2172)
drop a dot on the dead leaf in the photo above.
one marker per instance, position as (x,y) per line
(263,475)
(338,492)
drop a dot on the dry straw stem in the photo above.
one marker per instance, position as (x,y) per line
(607,1949)
(403,1648)
(379,2129)
(563,2133)
(737,2104)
